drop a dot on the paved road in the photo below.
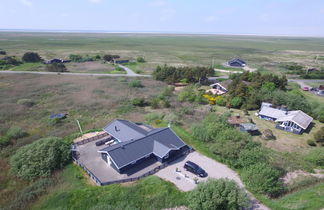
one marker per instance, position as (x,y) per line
(129,71)
(228,71)
(76,74)
(302,82)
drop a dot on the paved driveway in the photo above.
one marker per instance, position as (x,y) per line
(184,179)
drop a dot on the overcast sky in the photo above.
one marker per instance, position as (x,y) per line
(267,17)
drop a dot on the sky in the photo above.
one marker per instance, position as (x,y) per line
(261,17)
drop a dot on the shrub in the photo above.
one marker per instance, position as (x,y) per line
(135,84)
(31,57)
(316,156)
(262,178)
(75,58)
(152,117)
(15,133)
(26,102)
(155,102)
(31,193)
(319,136)
(107,58)
(56,67)
(236,102)
(252,156)
(140,59)
(218,194)
(268,135)
(302,182)
(138,102)
(4,141)
(40,158)
(311,143)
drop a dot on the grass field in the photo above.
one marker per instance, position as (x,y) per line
(74,192)
(268,52)
(95,101)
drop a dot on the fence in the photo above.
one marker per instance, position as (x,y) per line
(84,141)
(92,176)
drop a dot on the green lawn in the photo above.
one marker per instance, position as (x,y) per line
(73,192)
(311,198)
(29,67)
(266,52)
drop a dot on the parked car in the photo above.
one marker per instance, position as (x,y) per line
(195,169)
(306,89)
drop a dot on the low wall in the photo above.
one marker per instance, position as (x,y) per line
(84,141)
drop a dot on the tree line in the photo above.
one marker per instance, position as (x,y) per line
(172,74)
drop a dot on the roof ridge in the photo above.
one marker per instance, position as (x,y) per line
(135,140)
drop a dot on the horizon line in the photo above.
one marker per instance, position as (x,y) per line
(153,32)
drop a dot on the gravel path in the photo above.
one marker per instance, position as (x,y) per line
(185,180)
(75,74)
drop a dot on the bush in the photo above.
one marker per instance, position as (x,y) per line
(155,103)
(311,143)
(316,156)
(31,57)
(16,133)
(107,58)
(56,67)
(252,156)
(139,102)
(319,136)
(268,135)
(40,158)
(152,117)
(140,59)
(301,182)
(4,141)
(262,178)
(31,193)
(218,194)
(26,102)
(135,84)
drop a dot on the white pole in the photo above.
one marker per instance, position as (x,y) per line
(79,126)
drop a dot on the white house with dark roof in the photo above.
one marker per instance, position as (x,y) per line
(292,121)
(236,62)
(138,142)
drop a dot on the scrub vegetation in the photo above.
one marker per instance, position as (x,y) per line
(35,169)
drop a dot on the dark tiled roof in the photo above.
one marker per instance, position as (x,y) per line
(124,130)
(237,60)
(158,142)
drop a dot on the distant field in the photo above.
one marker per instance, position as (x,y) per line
(266,52)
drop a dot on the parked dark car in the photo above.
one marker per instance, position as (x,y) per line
(194,168)
(102,142)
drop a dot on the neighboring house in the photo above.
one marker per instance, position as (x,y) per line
(249,128)
(120,61)
(236,62)
(219,88)
(139,142)
(56,60)
(292,121)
